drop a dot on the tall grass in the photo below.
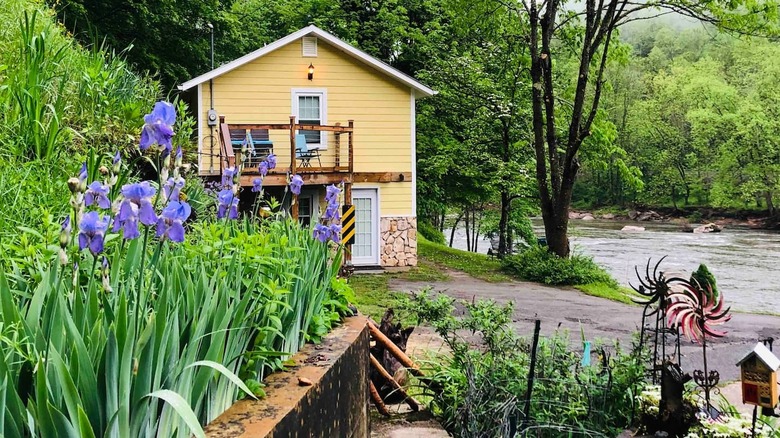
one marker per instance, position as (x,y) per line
(57,96)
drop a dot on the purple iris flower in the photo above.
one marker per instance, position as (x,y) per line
(172,189)
(335,233)
(257,185)
(295,184)
(65,232)
(271,161)
(158,127)
(263,168)
(83,173)
(92,229)
(321,232)
(136,206)
(228,204)
(228,175)
(170,225)
(332,194)
(178,157)
(332,212)
(97,193)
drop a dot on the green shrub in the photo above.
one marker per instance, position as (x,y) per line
(430,232)
(478,388)
(540,265)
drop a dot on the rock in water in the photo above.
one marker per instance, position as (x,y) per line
(632,228)
(708,228)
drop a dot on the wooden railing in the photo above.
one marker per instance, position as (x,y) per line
(228,155)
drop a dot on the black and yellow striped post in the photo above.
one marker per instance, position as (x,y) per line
(348,224)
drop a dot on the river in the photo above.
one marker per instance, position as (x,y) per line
(743,261)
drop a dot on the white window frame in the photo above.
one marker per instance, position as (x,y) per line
(322,93)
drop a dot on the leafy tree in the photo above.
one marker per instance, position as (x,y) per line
(169,37)
(481,111)
(564,107)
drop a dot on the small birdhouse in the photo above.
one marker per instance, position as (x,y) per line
(759,377)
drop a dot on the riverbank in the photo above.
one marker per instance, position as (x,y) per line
(752,219)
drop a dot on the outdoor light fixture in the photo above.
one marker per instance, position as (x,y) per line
(311,71)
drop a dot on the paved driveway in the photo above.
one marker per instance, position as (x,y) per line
(600,318)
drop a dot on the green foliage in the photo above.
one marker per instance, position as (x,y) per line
(430,232)
(540,265)
(704,278)
(230,301)
(57,97)
(479,387)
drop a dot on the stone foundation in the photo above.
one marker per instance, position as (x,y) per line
(398,243)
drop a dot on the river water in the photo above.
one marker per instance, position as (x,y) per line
(743,261)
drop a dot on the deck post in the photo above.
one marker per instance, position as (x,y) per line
(337,135)
(293,168)
(351,141)
(293,160)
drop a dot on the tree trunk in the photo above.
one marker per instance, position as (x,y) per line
(454,227)
(468,231)
(770,206)
(478,224)
(503,224)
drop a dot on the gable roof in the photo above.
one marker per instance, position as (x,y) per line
(763,353)
(329,38)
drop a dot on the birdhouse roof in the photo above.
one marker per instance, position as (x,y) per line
(763,354)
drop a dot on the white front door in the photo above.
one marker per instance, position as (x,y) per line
(365,251)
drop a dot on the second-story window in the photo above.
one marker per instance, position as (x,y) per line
(309,106)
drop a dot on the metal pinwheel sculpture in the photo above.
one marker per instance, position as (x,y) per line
(654,290)
(695,309)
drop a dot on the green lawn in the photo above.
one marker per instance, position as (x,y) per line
(621,294)
(477,265)
(373,294)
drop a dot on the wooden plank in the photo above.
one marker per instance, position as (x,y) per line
(330,128)
(268,126)
(358,177)
(228,156)
(278,180)
(327,177)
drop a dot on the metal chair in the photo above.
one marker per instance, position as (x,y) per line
(261,146)
(303,153)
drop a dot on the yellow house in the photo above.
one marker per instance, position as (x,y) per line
(331,114)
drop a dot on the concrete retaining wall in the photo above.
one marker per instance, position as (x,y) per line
(335,405)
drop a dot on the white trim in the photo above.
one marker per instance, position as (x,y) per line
(377,244)
(200,129)
(414,154)
(308,31)
(322,93)
(303,45)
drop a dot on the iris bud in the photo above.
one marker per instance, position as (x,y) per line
(74,184)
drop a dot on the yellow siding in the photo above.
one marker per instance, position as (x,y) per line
(260,92)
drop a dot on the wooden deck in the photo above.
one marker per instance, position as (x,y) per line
(337,163)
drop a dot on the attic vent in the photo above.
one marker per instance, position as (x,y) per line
(309,46)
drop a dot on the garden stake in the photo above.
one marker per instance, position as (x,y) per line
(396,386)
(380,405)
(530,386)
